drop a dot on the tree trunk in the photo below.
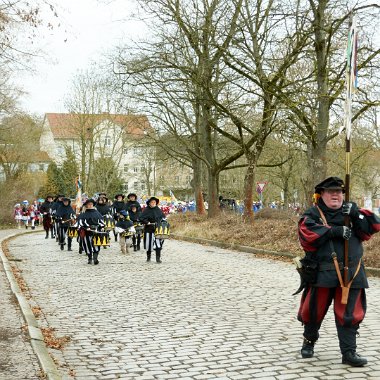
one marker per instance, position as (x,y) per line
(249,181)
(197,186)
(212,193)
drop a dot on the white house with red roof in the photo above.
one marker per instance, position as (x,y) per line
(101,135)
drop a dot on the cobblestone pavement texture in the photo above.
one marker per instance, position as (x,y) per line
(17,359)
(204,313)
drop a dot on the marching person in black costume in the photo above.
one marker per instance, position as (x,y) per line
(134,216)
(117,206)
(103,207)
(47,221)
(123,225)
(56,204)
(132,201)
(322,232)
(89,222)
(150,217)
(65,215)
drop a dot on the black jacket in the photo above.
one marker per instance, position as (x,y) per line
(317,241)
(134,216)
(151,215)
(104,209)
(45,208)
(117,206)
(90,218)
(65,212)
(129,204)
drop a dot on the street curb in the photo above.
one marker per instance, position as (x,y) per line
(35,334)
(259,251)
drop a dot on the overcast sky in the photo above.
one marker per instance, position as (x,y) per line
(87,28)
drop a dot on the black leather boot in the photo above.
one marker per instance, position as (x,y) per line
(148,256)
(69,245)
(134,248)
(96,262)
(62,246)
(307,350)
(52,234)
(89,258)
(158,256)
(353,359)
(47,235)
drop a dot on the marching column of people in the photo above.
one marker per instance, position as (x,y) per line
(129,223)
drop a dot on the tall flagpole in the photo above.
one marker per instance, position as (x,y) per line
(351,85)
(78,199)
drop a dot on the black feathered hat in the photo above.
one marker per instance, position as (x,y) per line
(131,195)
(152,199)
(89,200)
(119,195)
(330,183)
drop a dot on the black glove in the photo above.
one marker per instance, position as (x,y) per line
(351,209)
(341,232)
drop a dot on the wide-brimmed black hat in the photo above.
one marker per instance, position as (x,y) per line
(66,199)
(119,195)
(103,198)
(131,195)
(103,195)
(89,200)
(330,183)
(153,199)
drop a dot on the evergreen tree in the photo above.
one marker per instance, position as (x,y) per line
(106,177)
(69,172)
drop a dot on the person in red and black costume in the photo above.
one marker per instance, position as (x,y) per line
(47,221)
(322,231)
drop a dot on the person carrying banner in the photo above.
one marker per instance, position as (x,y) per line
(322,233)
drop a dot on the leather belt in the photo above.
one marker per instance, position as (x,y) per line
(331,266)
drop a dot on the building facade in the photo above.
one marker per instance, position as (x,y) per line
(98,136)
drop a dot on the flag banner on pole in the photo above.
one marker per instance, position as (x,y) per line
(78,198)
(351,75)
(173,198)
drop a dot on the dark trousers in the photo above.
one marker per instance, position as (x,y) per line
(315,303)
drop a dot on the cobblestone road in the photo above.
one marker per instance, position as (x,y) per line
(204,313)
(17,359)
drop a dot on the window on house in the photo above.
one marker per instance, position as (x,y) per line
(125,168)
(125,150)
(42,167)
(135,151)
(135,185)
(135,170)
(60,150)
(125,187)
(143,186)
(107,141)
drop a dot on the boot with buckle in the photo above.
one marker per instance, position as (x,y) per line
(353,359)
(307,350)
